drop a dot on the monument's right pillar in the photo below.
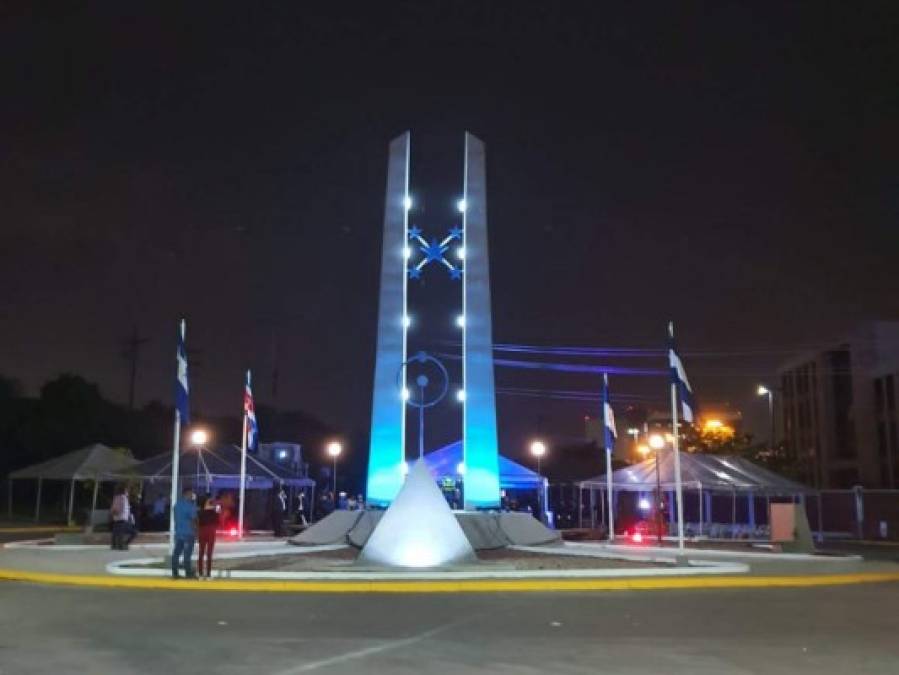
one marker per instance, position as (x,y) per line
(479,440)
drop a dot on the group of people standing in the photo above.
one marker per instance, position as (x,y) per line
(193,522)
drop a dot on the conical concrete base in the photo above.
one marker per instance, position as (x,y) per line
(419,529)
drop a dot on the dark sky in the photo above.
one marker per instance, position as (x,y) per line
(732,166)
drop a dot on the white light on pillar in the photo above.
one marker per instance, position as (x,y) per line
(460,321)
(461,206)
(460,253)
(460,395)
(404,394)
(407,321)
(407,202)
(407,252)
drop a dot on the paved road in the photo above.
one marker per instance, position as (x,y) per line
(850,629)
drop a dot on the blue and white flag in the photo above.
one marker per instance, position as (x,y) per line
(679,378)
(610,433)
(249,409)
(182,390)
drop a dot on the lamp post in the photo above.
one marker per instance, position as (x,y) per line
(198,440)
(334,449)
(764,391)
(657,442)
(538,449)
(635,432)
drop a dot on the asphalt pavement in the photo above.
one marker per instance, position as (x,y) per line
(54,629)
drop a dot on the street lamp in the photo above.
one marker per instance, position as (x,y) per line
(657,442)
(199,437)
(538,449)
(334,449)
(764,391)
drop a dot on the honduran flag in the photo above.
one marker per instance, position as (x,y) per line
(249,409)
(679,378)
(182,390)
(610,433)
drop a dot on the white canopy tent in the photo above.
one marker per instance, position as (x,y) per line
(706,475)
(91,463)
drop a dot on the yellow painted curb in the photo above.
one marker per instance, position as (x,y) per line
(454,586)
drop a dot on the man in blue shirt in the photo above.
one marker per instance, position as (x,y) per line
(185,532)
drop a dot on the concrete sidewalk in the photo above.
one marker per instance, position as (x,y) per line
(93,559)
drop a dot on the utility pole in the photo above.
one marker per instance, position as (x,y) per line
(131,352)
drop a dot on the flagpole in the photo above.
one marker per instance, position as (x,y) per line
(176,440)
(243,476)
(176,452)
(605,423)
(676,443)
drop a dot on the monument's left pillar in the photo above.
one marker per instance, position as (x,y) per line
(387,450)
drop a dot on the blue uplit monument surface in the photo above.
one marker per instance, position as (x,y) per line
(387,450)
(479,440)
(405,255)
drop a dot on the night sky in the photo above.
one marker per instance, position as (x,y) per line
(729,166)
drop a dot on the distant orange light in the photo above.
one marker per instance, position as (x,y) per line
(716,427)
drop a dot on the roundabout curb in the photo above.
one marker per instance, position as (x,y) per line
(450,586)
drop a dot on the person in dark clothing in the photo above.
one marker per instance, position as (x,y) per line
(279,508)
(208,521)
(185,532)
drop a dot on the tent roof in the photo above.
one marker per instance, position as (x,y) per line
(725,473)
(444,462)
(221,465)
(84,464)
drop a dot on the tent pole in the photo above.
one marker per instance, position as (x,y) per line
(94,503)
(71,502)
(733,513)
(602,507)
(580,507)
(592,508)
(37,501)
(750,502)
(820,519)
(700,509)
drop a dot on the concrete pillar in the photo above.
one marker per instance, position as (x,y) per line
(37,501)
(708,508)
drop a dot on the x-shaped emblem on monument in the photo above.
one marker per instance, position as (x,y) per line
(435,251)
